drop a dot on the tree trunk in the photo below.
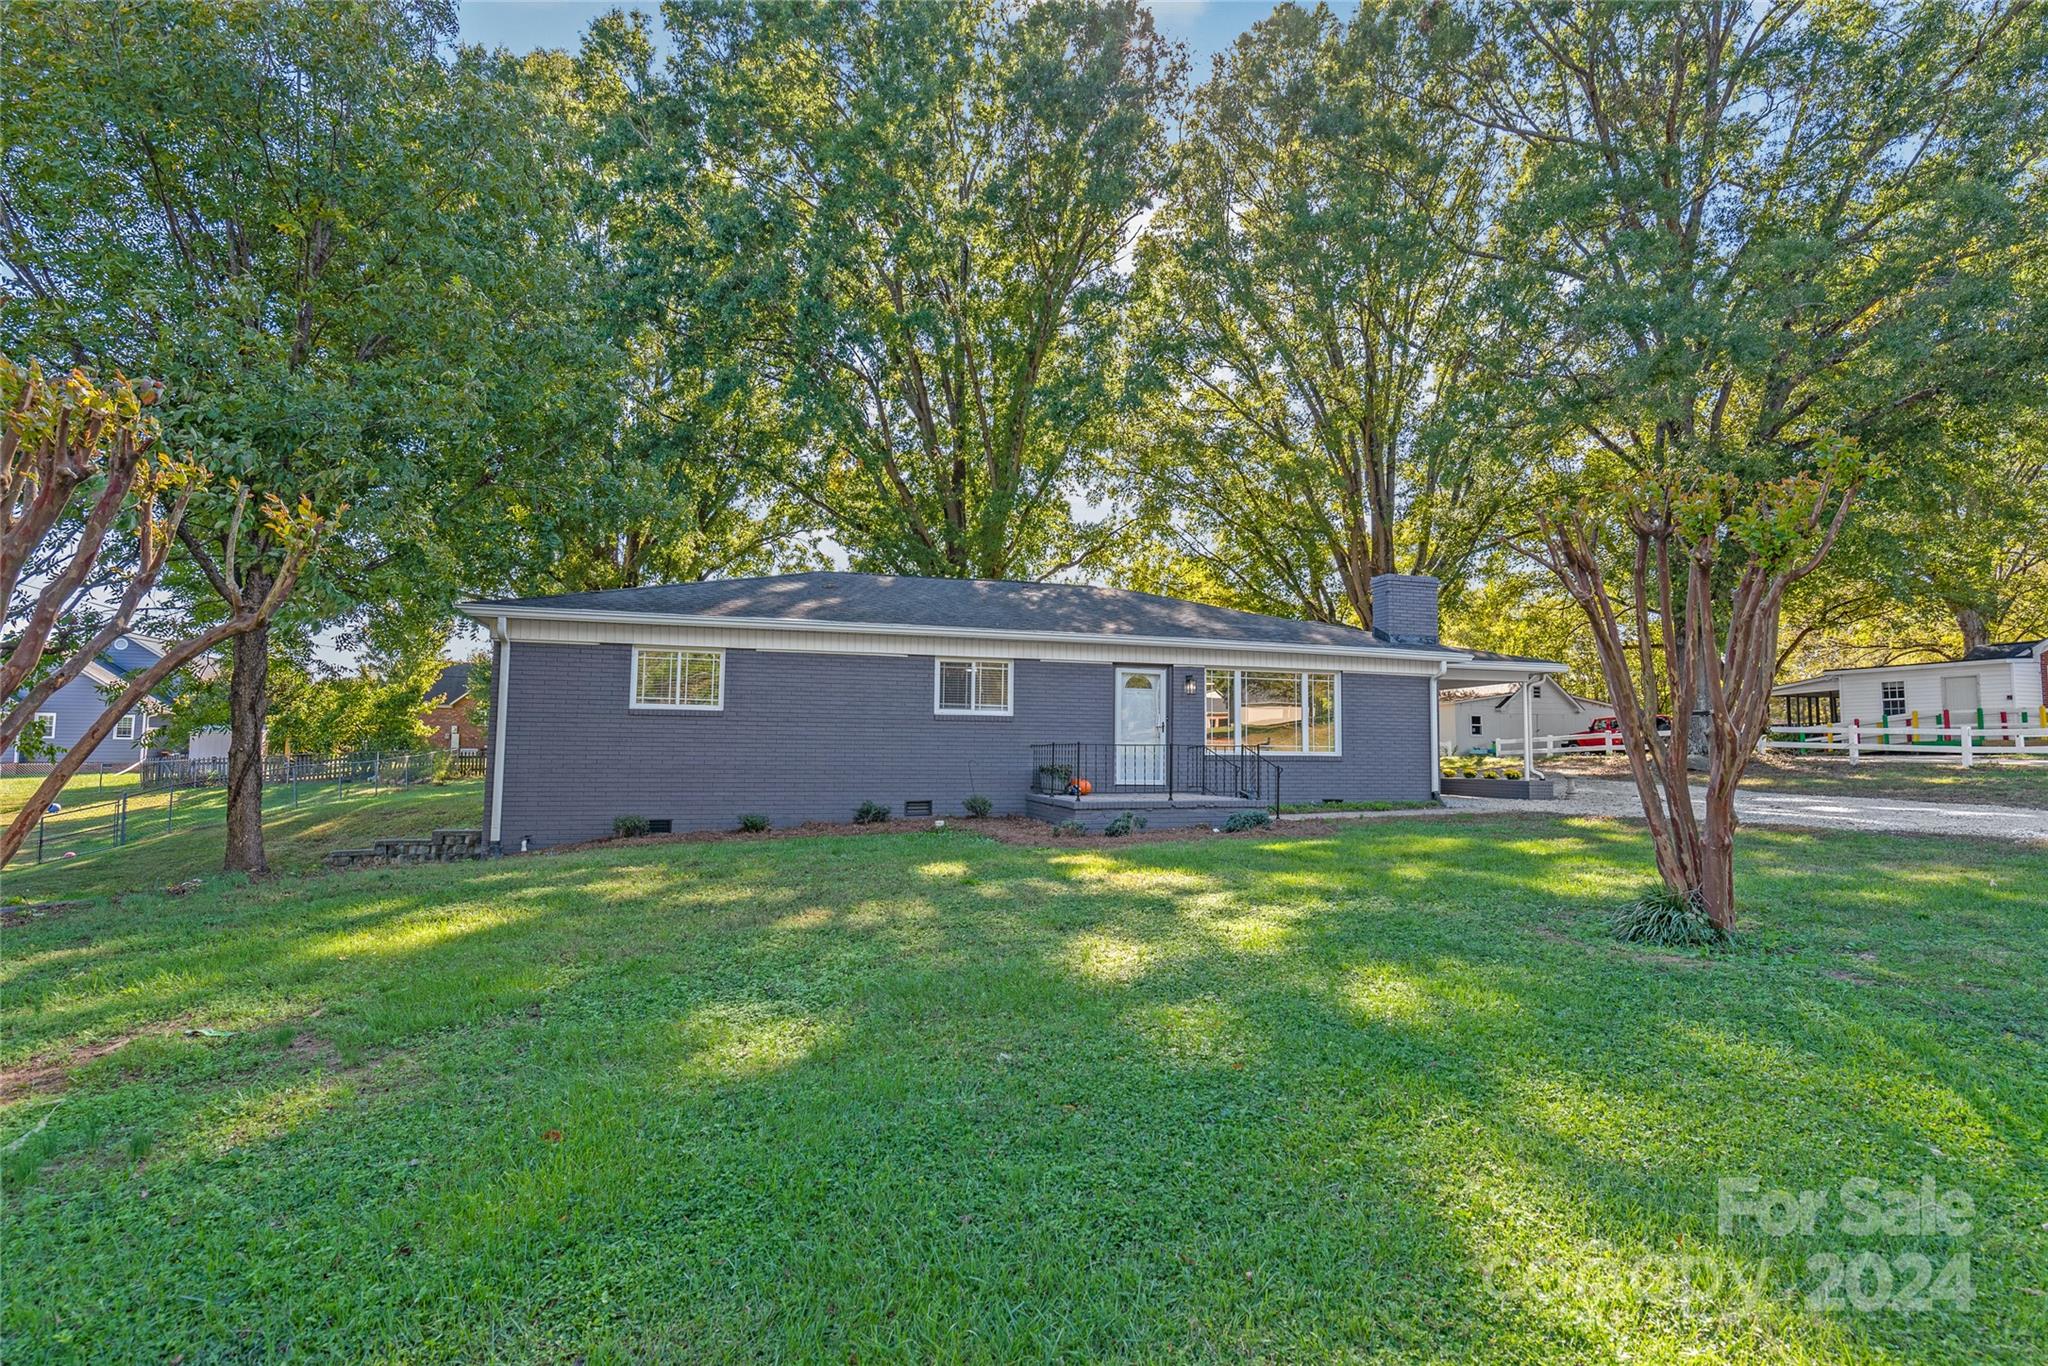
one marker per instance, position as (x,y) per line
(1971,622)
(1717,854)
(248,691)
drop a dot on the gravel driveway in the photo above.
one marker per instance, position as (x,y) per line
(1826,811)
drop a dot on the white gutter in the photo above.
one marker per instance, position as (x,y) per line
(495,839)
(483,612)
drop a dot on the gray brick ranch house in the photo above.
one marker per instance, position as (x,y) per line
(801,696)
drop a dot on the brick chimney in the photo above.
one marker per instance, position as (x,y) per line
(1404,608)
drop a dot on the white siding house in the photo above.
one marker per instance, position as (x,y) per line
(1475,718)
(1994,687)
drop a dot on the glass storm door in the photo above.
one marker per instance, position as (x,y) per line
(1141,727)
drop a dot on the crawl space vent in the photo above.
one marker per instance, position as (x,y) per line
(917,808)
(661,827)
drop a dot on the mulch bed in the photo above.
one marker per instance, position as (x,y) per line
(1005,829)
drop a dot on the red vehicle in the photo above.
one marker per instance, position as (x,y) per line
(1605,733)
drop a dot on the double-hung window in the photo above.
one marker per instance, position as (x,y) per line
(1893,696)
(1281,712)
(688,680)
(124,729)
(973,687)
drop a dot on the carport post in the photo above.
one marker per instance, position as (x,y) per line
(1528,729)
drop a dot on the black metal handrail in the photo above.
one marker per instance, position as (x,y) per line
(1076,768)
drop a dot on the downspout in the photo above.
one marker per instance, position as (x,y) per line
(503,640)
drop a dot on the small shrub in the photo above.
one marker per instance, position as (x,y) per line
(1479,766)
(978,807)
(1667,918)
(629,827)
(753,822)
(1247,820)
(1124,823)
(1070,828)
(871,813)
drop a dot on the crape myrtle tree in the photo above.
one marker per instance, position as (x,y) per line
(1310,298)
(904,223)
(324,227)
(91,505)
(1758,247)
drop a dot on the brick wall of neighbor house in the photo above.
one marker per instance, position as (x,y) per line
(456,714)
(808,737)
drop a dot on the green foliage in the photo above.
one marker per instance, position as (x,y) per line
(315,711)
(1070,828)
(1124,823)
(900,228)
(1478,766)
(871,813)
(753,822)
(1308,306)
(1248,820)
(1669,918)
(1817,233)
(628,827)
(326,231)
(978,807)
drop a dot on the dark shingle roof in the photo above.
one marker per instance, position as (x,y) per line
(2011,649)
(450,685)
(992,605)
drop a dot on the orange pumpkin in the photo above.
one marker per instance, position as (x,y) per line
(1083,786)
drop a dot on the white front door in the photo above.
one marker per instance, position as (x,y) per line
(1141,727)
(1960,699)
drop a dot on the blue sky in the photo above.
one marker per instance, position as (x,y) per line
(1206,26)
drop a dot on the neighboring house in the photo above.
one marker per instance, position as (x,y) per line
(446,711)
(73,708)
(801,696)
(1992,686)
(1477,718)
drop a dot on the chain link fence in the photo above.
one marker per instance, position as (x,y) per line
(176,793)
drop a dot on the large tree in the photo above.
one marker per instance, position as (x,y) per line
(902,224)
(322,226)
(1751,241)
(1312,302)
(663,469)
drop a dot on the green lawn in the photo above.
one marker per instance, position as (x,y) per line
(1988,782)
(86,787)
(1391,1092)
(154,857)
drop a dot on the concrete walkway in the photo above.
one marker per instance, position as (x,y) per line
(1807,810)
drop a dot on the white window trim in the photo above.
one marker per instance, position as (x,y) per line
(1009,707)
(49,729)
(1336,678)
(1884,683)
(129,721)
(633,702)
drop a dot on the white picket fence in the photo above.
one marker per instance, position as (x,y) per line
(1962,745)
(1584,742)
